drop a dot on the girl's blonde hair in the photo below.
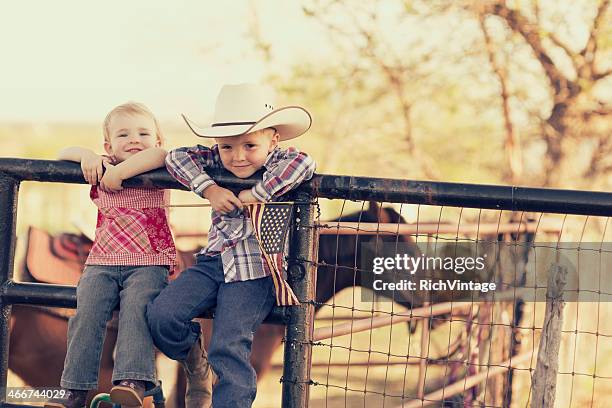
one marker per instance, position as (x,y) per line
(131,108)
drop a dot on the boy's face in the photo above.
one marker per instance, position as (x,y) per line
(245,154)
(130,134)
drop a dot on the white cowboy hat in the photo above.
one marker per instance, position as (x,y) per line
(247,108)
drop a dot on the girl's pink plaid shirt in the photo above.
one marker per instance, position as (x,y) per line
(132,228)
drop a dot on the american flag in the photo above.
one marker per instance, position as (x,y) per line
(271,224)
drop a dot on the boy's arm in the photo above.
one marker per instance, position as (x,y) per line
(91,163)
(285,170)
(188,164)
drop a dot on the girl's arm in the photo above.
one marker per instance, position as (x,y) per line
(75,153)
(91,163)
(142,162)
(139,163)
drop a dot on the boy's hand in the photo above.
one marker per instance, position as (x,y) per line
(91,165)
(246,196)
(111,182)
(221,199)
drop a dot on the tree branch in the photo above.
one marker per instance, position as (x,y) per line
(519,24)
(602,151)
(590,47)
(589,52)
(555,40)
(601,75)
(603,109)
(512,147)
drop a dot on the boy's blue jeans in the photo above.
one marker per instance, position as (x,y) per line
(240,309)
(99,291)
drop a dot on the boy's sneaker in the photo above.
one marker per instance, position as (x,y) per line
(72,399)
(128,393)
(200,376)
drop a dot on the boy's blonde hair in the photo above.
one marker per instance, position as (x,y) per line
(270,131)
(265,131)
(131,108)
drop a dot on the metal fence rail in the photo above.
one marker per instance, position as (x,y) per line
(303,255)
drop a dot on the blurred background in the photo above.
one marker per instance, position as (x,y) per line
(497,92)
(500,92)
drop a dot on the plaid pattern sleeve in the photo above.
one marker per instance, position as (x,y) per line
(285,170)
(187,164)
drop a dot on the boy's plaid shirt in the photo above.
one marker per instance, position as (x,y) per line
(232,235)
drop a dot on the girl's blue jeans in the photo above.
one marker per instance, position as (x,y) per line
(240,309)
(99,291)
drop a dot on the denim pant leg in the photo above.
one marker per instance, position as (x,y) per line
(135,353)
(97,296)
(241,307)
(170,314)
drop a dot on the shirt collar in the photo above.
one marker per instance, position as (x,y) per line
(271,157)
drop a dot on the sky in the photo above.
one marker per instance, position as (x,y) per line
(67,61)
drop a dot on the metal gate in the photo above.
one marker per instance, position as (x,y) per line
(302,257)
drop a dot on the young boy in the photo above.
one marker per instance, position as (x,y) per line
(230,272)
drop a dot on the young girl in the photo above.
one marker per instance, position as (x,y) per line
(128,265)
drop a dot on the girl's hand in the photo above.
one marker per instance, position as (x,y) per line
(91,165)
(111,182)
(222,199)
(246,196)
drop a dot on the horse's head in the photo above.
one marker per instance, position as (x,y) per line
(344,259)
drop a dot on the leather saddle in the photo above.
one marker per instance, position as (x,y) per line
(43,258)
(55,259)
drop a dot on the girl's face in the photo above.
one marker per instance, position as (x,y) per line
(245,154)
(130,134)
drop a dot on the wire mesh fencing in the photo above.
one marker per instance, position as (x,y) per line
(401,346)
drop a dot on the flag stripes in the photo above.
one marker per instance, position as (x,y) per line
(271,225)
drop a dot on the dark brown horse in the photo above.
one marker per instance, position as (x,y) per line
(345,259)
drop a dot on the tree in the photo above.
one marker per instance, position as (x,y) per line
(477,91)
(576,103)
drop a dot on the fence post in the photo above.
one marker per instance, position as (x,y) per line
(545,376)
(8,214)
(302,278)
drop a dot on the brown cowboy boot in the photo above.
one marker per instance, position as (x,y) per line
(198,393)
(128,393)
